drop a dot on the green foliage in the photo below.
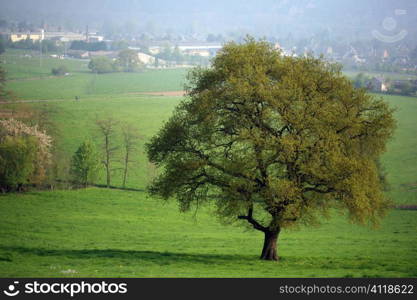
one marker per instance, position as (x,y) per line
(413,56)
(83,45)
(119,45)
(101,65)
(28,44)
(59,71)
(175,55)
(2,46)
(4,94)
(405,87)
(128,61)
(286,137)
(14,129)
(85,164)
(361,80)
(17,157)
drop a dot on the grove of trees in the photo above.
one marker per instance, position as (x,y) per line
(127,61)
(83,45)
(274,141)
(394,87)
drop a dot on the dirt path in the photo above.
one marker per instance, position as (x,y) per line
(34,101)
(167,94)
(32,78)
(164,94)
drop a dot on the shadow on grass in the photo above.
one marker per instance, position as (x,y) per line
(162,258)
(362,267)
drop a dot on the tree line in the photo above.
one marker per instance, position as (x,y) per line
(393,87)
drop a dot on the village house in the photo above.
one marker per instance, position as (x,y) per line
(150,60)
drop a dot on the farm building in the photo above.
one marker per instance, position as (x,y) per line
(34,36)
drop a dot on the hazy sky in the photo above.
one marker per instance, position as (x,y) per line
(258,17)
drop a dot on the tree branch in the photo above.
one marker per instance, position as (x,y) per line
(252,221)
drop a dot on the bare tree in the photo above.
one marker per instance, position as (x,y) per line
(130,140)
(107,128)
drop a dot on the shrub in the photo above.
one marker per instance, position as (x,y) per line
(17,156)
(19,141)
(61,70)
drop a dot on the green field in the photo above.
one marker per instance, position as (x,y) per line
(76,122)
(388,75)
(26,64)
(108,233)
(29,81)
(115,233)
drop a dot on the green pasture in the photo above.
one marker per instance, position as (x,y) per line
(113,233)
(388,75)
(27,80)
(27,64)
(76,121)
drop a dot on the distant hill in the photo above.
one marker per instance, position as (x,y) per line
(266,17)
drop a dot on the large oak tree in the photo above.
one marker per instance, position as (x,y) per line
(274,140)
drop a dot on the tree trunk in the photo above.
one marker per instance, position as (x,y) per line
(269,250)
(125,170)
(107,162)
(108,176)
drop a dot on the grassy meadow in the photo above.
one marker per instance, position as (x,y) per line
(388,75)
(97,232)
(29,81)
(110,233)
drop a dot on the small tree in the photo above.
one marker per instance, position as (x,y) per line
(275,141)
(128,60)
(361,80)
(17,155)
(101,65)
(85,163)
(20,144)
(107,128)
(130,139)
